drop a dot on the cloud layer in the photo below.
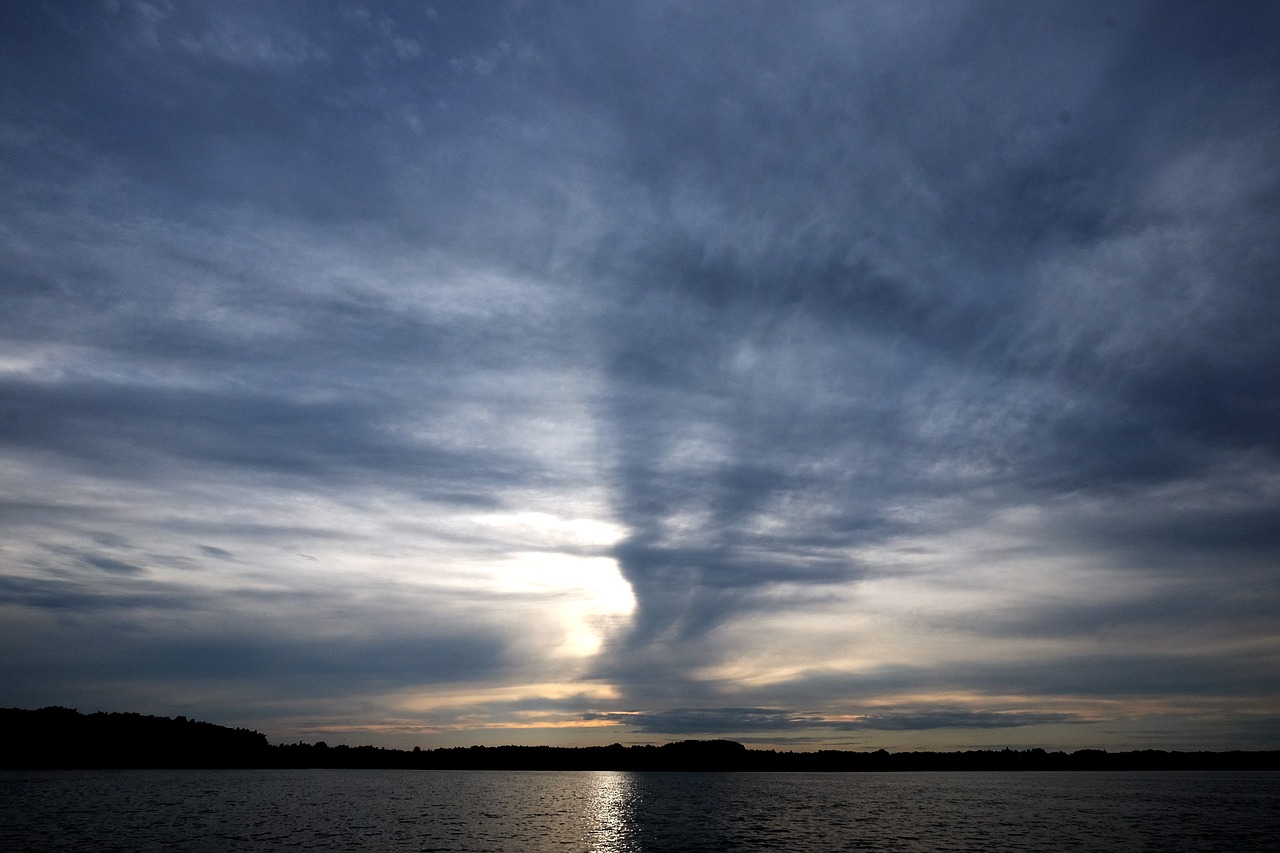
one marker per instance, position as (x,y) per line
(592,372)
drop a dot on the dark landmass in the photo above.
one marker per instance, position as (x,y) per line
(64,738)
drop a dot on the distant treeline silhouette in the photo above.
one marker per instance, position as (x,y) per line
(64,738)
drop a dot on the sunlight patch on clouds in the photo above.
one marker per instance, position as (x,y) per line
(554,530)
(245,549)
(547,724)
(599,599)
(953,598)
(457,698)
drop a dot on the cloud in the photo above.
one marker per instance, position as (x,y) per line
(877,350)
(710,721)
(237,44)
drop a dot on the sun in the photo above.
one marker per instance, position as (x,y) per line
(593,597)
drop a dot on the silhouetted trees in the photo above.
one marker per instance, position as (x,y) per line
(62,737)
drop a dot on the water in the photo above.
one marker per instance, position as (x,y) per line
(531,812)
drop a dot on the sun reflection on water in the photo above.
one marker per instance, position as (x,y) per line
(612,810)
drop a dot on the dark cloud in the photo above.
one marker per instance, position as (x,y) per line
(112,565)
(991,189)
(240,657)
(711,721)
(1120,674)
(75,595)
(133,428)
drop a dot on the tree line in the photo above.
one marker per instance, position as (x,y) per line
(57,737)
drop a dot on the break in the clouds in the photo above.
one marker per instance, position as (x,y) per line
(882,374)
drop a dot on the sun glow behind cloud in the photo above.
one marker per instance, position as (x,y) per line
(598,600)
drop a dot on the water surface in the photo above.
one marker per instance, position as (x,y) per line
(531,812)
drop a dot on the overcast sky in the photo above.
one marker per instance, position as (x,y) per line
(846,374)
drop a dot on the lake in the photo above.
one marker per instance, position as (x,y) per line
(531,812)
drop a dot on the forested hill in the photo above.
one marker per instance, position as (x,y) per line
(64,738)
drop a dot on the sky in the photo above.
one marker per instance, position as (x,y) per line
(847,375)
